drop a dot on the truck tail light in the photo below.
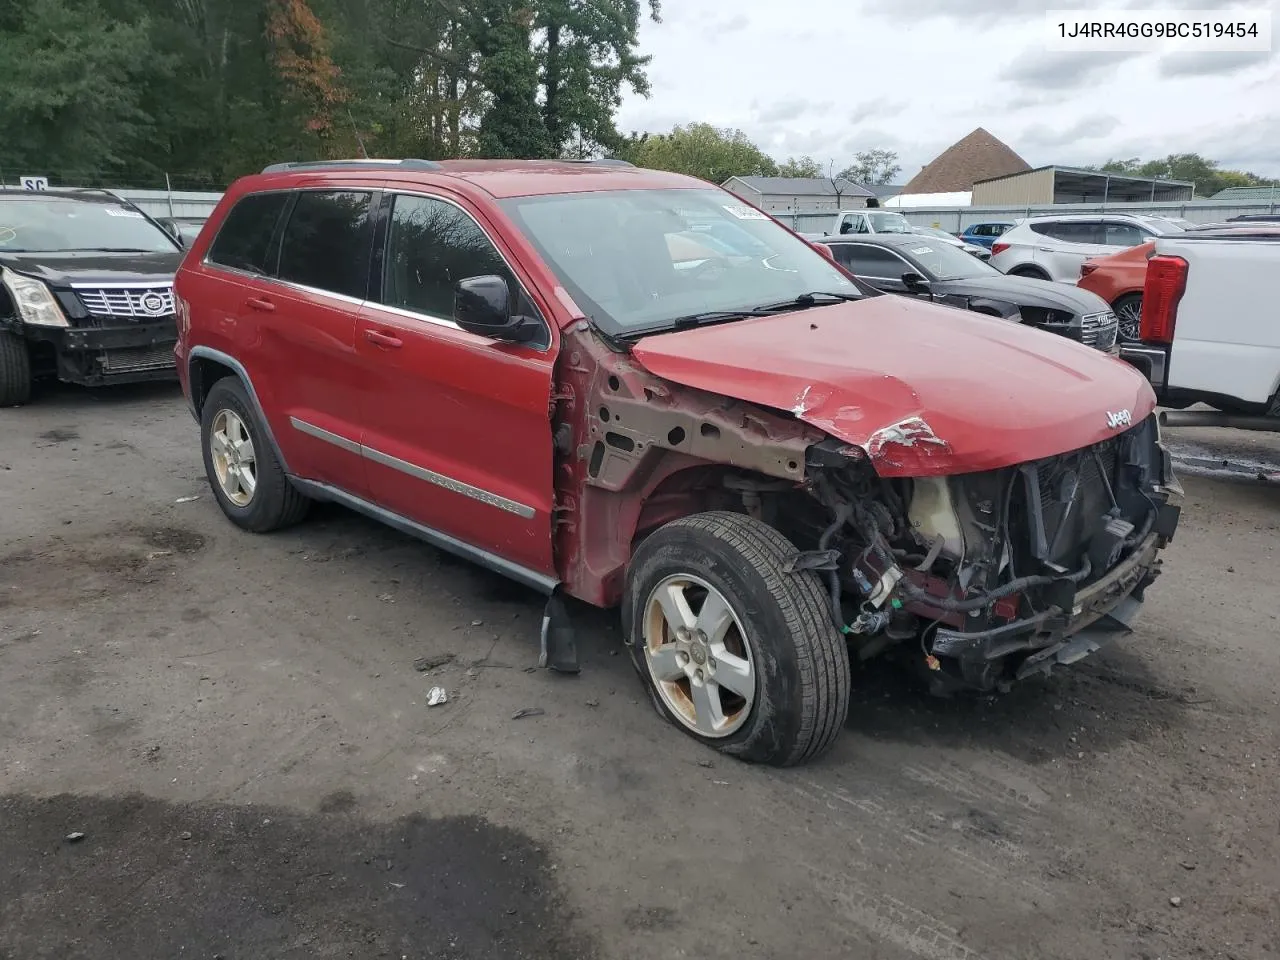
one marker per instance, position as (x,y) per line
(998,248)
(1165,284)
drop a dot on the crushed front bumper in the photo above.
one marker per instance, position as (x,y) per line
(991,659)
(94,356)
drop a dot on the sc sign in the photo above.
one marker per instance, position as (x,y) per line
(35,183)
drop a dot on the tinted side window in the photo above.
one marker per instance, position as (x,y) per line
(431,245)
(244,239)
(1070,231)
(1123,234)
(326,244)
(864,261)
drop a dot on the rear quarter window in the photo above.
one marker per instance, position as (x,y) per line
(328,242)
(244,239)
(1070,231)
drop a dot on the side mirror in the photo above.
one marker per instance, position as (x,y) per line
(823,249)
(482,305)
(915,283)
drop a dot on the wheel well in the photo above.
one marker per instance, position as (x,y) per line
(204,374)
(1025,271)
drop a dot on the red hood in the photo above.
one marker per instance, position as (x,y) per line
(924,390)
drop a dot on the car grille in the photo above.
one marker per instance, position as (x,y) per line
(137,359)
(143,302)
(1098,330)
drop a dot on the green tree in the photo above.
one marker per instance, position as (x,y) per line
(512,124)
(124,91)
(701,150)
(800,167)
(70,98)
(1206,174)
(872,166)
(586,55)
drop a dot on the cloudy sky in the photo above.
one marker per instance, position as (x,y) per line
(830,77)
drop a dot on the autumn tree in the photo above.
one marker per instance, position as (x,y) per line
(207,90)
(299,51)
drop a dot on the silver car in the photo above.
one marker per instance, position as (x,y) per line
(1054,247)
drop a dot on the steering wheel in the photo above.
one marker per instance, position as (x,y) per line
(712,266)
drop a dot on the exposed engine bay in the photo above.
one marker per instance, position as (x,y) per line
(989,575)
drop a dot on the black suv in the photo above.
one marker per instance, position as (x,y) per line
(86,291)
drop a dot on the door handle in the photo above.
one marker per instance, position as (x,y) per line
(258,303)
(1045,249)
(383,339)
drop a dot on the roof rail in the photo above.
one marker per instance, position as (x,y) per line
(110,193)
(600,161)
(366,164)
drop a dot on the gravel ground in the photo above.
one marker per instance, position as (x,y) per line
(235,725)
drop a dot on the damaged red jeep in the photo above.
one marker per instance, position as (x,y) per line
(633,389)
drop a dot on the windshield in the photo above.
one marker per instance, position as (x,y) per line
(890,223)
(55,225)
(942,261)
(935,232)
(1166,224)
(637,260)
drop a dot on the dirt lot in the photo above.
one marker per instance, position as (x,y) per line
(236,726)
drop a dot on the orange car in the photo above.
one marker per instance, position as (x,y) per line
(1118,279)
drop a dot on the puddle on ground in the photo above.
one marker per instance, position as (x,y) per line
(156,879)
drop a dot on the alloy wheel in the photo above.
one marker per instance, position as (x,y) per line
(698,655)
(234,463)
(1129,316)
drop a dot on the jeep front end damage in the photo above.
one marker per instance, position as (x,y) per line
(634,451)
(997,575)
(982,577)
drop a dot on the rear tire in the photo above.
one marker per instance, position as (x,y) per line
(1030,273)
(776,684)
(246,478)
(1128,311)
(15,370)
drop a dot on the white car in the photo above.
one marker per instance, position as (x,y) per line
(1054,247)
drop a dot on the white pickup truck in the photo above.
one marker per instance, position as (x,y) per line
(1210,329)
(886,221)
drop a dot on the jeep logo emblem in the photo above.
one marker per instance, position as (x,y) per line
(1118,418)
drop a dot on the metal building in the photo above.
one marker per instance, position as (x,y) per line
(799,194)
(1073,185)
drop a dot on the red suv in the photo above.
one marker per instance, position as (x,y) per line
(634,389)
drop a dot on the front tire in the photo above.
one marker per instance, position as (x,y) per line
(247,480)
(736,651)
(15,370)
